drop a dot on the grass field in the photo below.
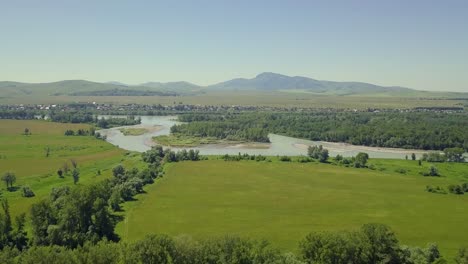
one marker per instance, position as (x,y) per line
(25,155)
(282,202)
(279,99)
(278,201)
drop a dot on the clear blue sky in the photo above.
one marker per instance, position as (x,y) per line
(414,43)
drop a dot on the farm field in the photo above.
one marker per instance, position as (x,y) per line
(283,201)
(250,98)
(25,155)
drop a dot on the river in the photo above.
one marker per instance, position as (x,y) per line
(280,145)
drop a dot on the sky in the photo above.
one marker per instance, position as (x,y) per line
(421,44)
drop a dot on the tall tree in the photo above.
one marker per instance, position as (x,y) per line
(9,178)
(361,160)
(74,163)
(102,220)
(76,176)
(454,154)
(6,222)
(60,173)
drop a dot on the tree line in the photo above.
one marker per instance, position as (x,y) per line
(419,130)
(372,243)
(245,130)
(89,118)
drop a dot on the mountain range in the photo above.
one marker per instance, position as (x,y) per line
(264,82)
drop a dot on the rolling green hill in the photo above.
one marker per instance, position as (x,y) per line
(77,88)
(265,86)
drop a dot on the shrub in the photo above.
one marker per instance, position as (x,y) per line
(284,158)
(465,187)
(361,160)
(432,172)
(303,159)
(434,157)
(260,158)
(462,256)
(401,170)
(455,189)
(27,192)
(318,152)
(435,189)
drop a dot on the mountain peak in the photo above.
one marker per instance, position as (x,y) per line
(268,75)
(270,81)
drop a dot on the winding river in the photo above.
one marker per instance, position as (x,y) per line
(280,145)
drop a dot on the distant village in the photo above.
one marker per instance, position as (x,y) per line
(155,109)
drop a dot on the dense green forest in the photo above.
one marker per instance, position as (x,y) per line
(420,130)
(87,118)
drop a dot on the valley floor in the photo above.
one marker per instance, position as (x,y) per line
(283,201)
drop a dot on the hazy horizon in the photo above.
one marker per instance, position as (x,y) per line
(207,85)
(419,44)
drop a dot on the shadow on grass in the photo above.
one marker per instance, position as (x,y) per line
(13,189)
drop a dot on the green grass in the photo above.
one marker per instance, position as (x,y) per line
(133,131)
(179,140)
(282,202)
(25,156)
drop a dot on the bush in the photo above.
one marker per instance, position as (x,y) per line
(434,157)
(435,189)
(401,171)
(284,158)
(361,160)
(465,187)
(303,159)
(318,152)
(260,158)
(432,172)
(455,189)
(462,256)
(338,157)
(27,192)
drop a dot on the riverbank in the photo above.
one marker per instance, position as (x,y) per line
(343,147)
(280,145)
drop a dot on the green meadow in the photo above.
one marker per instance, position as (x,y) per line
(278,201)
(25,155)
(283,201)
